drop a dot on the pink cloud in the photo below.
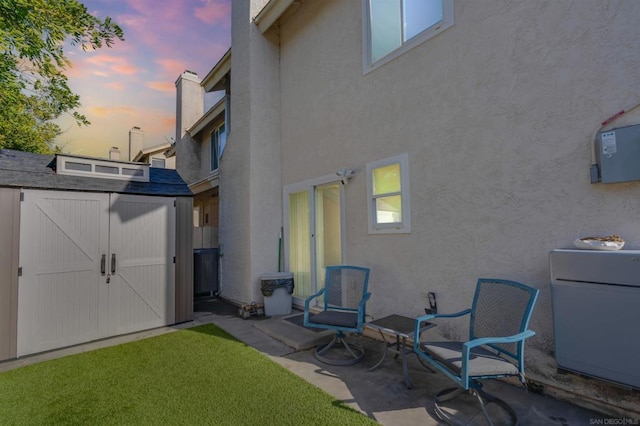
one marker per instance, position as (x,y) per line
(171,67)
(125,69)
(115,86)
(213,12)
(163,86)
(100,111)
(169,121)
(112,64)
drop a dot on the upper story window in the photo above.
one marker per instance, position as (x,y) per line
(159,163)
(392,27)
(388,194)
(218,139)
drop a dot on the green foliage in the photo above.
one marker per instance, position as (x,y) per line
(33,84)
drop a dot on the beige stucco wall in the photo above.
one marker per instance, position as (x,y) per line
(250,185)
(497,115)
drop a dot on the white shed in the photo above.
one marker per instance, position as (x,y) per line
(92,248)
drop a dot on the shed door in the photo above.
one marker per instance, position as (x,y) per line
(64,298)
(63,236)
(142,289)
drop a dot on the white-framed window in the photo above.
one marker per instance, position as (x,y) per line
(196,216)
(388,195)
(109,169)
(218,139)
(392,27)
(158,163)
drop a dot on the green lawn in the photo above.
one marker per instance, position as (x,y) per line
(195,376)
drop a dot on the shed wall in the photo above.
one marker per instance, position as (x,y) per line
(184,259)
(9,247)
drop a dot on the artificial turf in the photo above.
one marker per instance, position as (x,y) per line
(200,375)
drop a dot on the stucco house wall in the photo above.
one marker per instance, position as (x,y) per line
(497,114)
(250,185)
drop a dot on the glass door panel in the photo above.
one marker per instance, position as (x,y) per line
(300,243)
(313,235)
(328,229)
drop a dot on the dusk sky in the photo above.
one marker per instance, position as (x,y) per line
(133,82)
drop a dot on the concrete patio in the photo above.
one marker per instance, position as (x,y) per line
(380,394)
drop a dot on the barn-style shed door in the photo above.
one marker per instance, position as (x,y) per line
(142,240)
(93,265)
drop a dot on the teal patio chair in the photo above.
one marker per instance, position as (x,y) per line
(499,317)
(342,306)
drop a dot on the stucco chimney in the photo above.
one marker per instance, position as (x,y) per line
(189,109)
(136,140)
(189,102)
(114,153)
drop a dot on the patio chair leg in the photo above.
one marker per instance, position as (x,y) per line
(346,345)
(490,399)
(321,350)
(356,352)
(442,396)
(483,398)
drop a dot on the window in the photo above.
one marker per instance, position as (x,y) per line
(107,169)
(388,195)
(218,139)
(196,217)
(82,167)
(392,27)
(158,163)
(132,172)
(67,164)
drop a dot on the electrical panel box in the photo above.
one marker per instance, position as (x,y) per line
(618,154)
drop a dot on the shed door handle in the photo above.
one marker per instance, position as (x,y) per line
(113,263)
(103,264)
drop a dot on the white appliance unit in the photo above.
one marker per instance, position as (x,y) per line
(596,313)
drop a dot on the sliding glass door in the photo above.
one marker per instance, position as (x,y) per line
(313,233)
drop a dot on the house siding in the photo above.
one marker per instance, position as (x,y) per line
(497,115)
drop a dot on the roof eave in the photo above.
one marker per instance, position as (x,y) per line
(203,121)
(215,78)
(271,12)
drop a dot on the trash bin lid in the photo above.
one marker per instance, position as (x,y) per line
(277,276)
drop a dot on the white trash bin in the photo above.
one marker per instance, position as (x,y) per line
(277,289)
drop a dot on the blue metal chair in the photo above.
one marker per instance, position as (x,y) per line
(343,310)
(499,318)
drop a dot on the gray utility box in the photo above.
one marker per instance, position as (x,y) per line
(596,312)
(618,154)
(205,272)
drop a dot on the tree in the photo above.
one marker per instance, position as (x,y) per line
(33,86)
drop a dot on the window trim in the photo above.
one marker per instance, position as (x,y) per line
(121,170)
(368,66)
(403,227)
(216,132)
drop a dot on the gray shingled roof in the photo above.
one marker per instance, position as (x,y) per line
(28,170)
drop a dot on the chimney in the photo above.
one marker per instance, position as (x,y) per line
(136,140)
(114,153)
(189,102)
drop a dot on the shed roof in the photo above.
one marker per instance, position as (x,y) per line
(28,170)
